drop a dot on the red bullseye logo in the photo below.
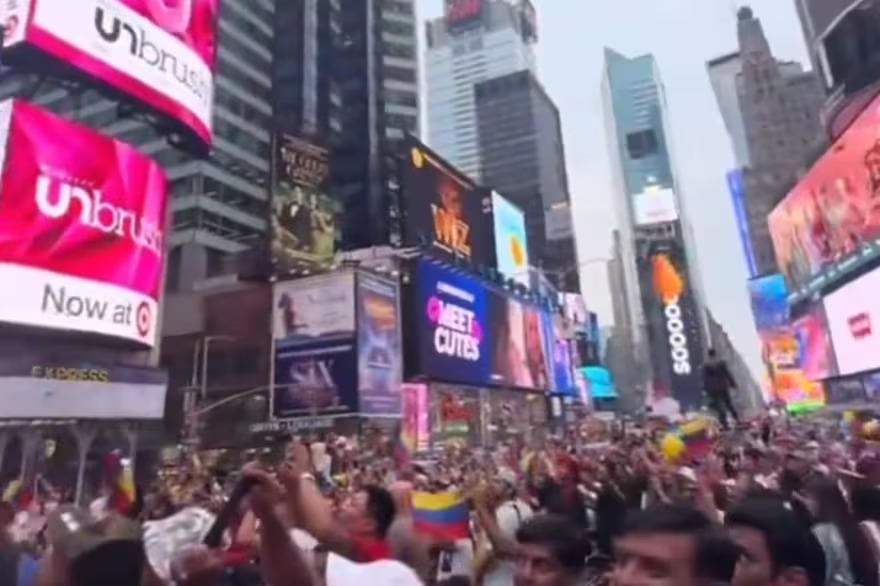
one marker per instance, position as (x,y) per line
(143,319)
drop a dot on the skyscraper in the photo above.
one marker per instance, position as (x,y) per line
(662,283)
(464,48)
(771,110)
(349,80)
(523,157)
(815,17)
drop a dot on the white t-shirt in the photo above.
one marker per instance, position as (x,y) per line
(509,516)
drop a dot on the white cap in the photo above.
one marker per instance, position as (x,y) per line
(344,572)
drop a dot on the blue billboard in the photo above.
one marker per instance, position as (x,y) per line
(380,368)
(599,382)
(452,311)
(737,196)
(318,378)
(562,364)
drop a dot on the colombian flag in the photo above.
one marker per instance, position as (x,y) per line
(443,516)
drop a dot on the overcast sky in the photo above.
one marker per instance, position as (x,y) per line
(683,35)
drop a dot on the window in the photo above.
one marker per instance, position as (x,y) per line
(400,74)
(641,144)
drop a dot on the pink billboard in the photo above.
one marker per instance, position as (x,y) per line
(160,52)
(82,220)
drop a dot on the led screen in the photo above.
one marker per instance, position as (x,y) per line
(853,314)
(82,228)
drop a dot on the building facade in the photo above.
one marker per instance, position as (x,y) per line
(654,227)
(774,118)
(495,41)
(816,16)
(523,157)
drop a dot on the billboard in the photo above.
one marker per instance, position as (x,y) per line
(315,356)
(82,228)
(415,424)
(785,348)
(655,205)
(562,367)
(443,209)
(463,14)
(511,243)
(829,224)
(35,387)
(521,352)
(737,197)
(158,52)
(853,315)
(599,382)
(303,214)
(380,367)
(452,312)
(673,325)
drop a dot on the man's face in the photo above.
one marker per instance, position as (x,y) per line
(353,513)
(536,566)
(654,560)
(754,567)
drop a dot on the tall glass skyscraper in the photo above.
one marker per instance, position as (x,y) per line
(663,299)
(494,41)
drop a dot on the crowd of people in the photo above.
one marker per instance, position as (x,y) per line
(772,502)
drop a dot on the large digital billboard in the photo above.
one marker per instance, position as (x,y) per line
(82,228)
(511,243)
(793,353)
(478,336)
(737,197)
(673,324)
(160,52)
(303,213)
(444,210)
(853,315)
(829,224)
(315,355)
(380,368)
(452,311)
(521,335)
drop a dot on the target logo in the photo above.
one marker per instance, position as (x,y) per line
(143,319)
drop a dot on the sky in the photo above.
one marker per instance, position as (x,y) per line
(683,35)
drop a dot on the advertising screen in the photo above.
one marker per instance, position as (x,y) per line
(845,391)
(562,368)
(82,228)
(817,357)
(317,378)
(787,351)
(463,14)
(415,428)
(600,383)
(303,214)
(853,314)
(829,224)
(511,244)
(737,197)
(380,369)
(454,345)
(519,341)
(160,52)
(443,209)
(575,311)
(674,325)
(655,205)
(315,356)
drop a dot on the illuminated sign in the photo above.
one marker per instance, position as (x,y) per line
(451,231)
(462,14)
(101,375)
(669,285)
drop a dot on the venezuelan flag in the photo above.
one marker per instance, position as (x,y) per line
(443,516)
(695,435)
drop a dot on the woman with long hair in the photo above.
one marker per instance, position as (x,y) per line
(847,553)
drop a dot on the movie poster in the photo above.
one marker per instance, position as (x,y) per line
(303,213)
(521,356)
(379,351)
(315,379)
